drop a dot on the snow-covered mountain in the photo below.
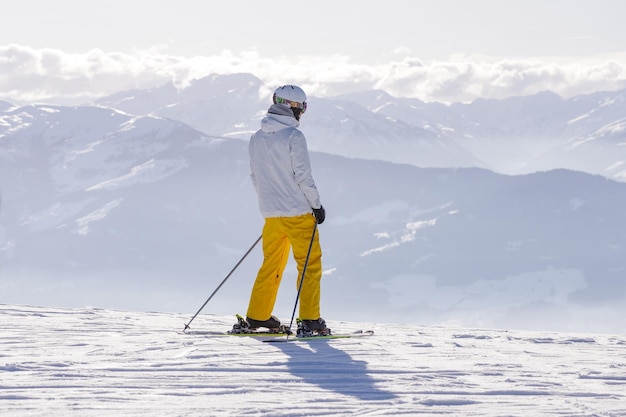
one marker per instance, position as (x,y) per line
(518,135)
(219,105)
(232,106)
(603,149)
(101,207)
(93,192)
(101,363)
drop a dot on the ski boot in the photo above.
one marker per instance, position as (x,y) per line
(312,328)
(251,326)
(241,326)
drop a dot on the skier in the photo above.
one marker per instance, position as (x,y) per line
(289,201)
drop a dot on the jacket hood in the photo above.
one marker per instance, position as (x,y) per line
(278,117)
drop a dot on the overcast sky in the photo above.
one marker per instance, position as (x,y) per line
(444,50)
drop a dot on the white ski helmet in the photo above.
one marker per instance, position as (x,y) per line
(292,96)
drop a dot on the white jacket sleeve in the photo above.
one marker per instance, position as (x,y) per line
(302,171)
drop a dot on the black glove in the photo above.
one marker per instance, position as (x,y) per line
(320,214)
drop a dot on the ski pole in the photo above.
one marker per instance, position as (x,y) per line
(223,281)
(306,262)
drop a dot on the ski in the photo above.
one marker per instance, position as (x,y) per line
(224,334)
(281,334)
(257,335)
(359,333)
(242,329)
(282,337)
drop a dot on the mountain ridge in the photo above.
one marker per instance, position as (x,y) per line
(516,135)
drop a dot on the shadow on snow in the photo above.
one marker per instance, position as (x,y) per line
(319,363)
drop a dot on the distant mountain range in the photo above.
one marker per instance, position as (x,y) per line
(511,136)
(143,201)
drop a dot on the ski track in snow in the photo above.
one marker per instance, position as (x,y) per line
(95,362)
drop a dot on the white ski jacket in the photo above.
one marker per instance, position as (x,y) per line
(280,168)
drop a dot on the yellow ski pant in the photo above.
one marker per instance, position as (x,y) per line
(280,234)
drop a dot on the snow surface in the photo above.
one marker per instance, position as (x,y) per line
(95,362)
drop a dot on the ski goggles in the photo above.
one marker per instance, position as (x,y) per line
(302,106)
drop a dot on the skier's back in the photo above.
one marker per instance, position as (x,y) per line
(289,201)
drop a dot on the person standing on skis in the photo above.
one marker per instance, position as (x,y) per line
(290,203)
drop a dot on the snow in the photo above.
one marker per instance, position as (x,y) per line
(97,215)
(95,362)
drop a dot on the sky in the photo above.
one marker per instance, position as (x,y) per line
(447,51)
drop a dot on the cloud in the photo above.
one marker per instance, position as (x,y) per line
(34,75)
(463,79)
